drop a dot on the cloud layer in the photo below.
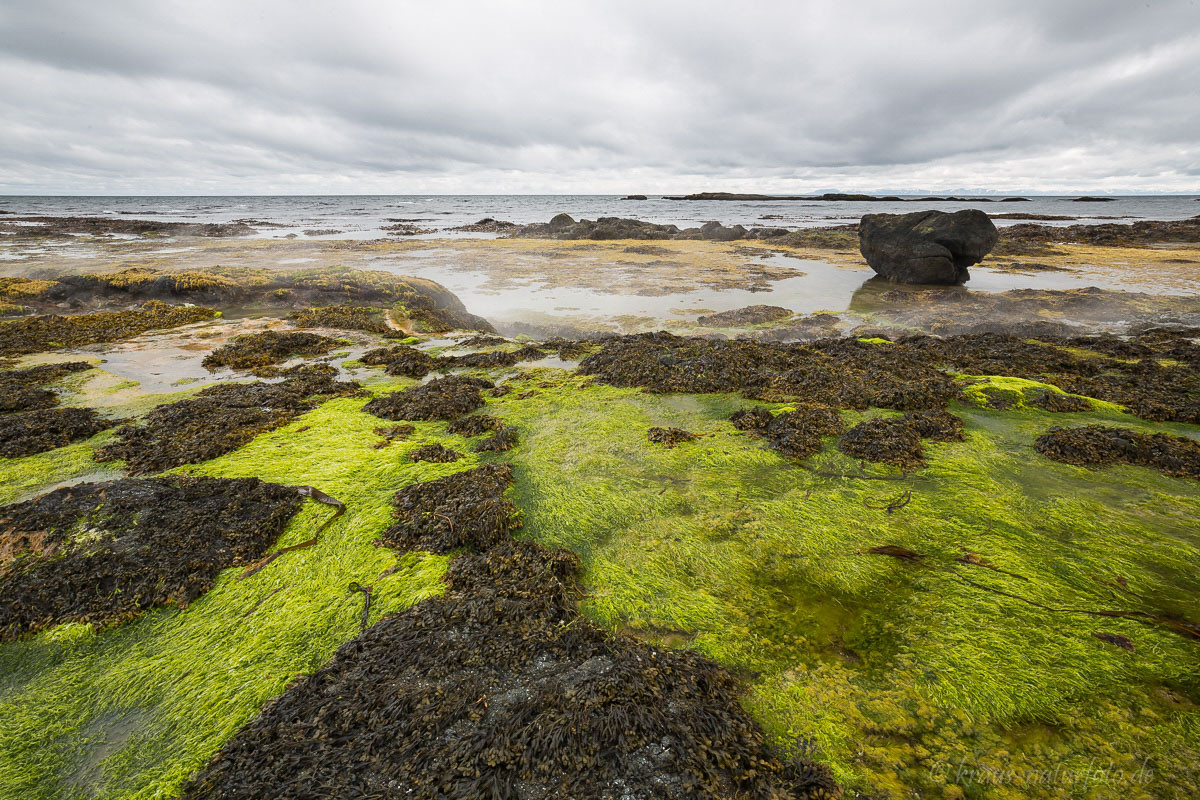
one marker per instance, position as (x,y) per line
(386,97)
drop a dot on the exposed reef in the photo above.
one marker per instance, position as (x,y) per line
(425,303)
(52,331)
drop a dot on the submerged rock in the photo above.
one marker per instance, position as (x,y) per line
(926,246)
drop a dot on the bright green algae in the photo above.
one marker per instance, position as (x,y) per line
(894,670)
(190,678)
(900,675)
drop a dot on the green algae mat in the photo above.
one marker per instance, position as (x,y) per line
(946,632)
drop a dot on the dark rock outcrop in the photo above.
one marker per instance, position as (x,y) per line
(926,246)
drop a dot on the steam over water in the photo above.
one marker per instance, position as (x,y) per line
(362,216)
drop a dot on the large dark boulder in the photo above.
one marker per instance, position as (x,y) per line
(926,246)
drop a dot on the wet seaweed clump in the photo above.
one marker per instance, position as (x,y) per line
(26,433)
(795,434)
(105,552)
(345,317)
(439,399)
(435,453)
(492,358)
(1060,403)
(466,509)
(503,439)
(482,340)
(259,352)
(50,331)
(888,440)
(1101,445)
(670,436)
(842,373)
(20,389)
(400,360)
(501,689)
(217,420)
(474,425)
(938,426)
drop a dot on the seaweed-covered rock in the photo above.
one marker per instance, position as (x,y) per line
(926,246)
(104,552)
(474,425)
(217,420)
(467,509)
(750,315)
(938,426)
(344,317)
(435,453)
(501,689)
(503,439)
(670,436)
(25,433)
(440,398)
(492,358)
(50,331)
(795,434)
(405,361)
(1100,445)
(1061,403)
(20,388)
(890,440)
(256,351)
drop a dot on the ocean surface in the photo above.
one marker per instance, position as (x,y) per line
(363,216)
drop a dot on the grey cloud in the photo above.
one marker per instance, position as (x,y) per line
(614,96)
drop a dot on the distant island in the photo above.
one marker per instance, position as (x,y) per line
(835,197)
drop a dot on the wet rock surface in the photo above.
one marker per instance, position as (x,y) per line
(1101,445)
(257,353)
(51,331)
(435,453)
(105,552)
(926,246)
(26,433)
(467,509)
(217,420)
(439,399)
(565,227)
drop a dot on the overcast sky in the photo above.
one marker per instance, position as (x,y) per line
(558,97)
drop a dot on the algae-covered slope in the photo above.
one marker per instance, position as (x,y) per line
(980,622)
